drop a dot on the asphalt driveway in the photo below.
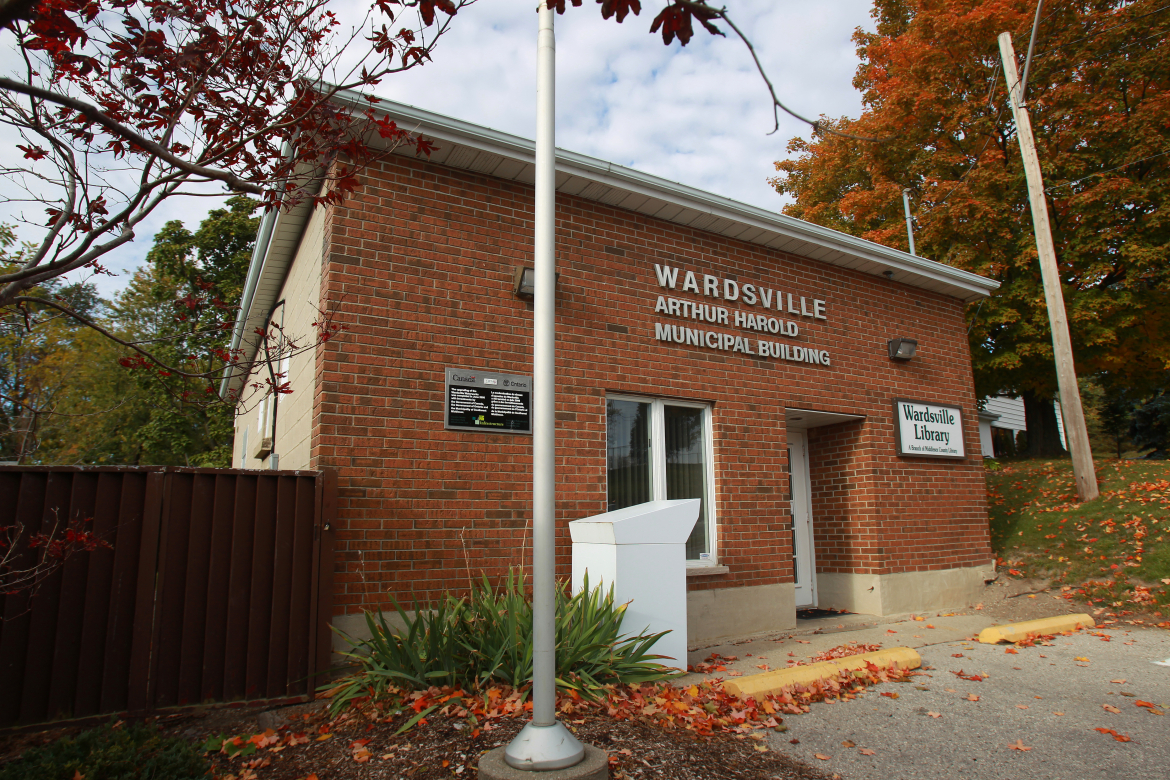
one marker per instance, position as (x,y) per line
(1048,702)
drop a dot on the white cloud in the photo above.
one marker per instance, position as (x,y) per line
(698,114)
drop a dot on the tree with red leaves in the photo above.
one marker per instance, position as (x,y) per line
(123,105)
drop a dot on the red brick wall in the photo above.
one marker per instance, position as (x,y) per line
(420,266)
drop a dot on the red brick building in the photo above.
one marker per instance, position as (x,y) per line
(705,348)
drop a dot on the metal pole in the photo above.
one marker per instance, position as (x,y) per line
(1028,59)
(909,224)
(544,743)
(1066,376)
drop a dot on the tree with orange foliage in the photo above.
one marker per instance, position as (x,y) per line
(934,93)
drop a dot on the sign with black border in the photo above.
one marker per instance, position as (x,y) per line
(487,402)
(924,429)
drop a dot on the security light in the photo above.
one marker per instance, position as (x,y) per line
(902,349)
(524,281)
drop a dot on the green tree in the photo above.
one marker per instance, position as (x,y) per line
(933,90)
(115,407)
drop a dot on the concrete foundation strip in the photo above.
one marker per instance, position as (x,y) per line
(1017,632)
(763,684)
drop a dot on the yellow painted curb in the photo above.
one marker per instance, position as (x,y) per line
(771,682)
(1015,632)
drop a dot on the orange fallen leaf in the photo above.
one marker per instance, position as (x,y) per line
(865,751)
(972,697)
(1058,714)
(1021,706)
(446,763)
(928,625)
(956,655)
(1118,682)
(935,714)
(1115,735)
(848,743)
(1140,703)
(1081,658)
(1019,746)
(361,755)
(891,631)
(918,618)
(77,775)
(889,694)
(1011,651)
(1110,708)
(821,756)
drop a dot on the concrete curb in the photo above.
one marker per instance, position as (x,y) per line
(1015,632)
(771,682)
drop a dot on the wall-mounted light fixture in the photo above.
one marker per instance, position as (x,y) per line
(524,281)
(902,349)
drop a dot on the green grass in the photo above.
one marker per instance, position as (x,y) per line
(1113,550)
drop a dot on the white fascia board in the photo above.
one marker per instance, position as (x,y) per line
(970,286)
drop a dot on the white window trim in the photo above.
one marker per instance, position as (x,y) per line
(658,462)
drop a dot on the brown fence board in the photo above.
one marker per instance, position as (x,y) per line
(173,553)
(30,497)
(123,593)
(98,598)
(212,590)
(203,488)
(71,606)
(282,582)
(239,590)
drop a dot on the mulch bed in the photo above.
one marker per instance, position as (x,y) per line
(446,748)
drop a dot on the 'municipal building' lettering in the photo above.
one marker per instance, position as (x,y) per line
(706,349)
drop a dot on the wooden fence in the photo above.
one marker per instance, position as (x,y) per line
(216,587)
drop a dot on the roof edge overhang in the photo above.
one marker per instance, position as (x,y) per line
(271,260)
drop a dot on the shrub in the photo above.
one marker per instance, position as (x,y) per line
(486,638)
(122,752)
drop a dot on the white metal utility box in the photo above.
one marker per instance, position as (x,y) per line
(641,551)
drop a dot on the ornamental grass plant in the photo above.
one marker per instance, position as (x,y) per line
(486,638)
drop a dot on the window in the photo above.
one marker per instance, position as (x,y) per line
(662,449)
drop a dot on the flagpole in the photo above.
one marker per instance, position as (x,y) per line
(544,743)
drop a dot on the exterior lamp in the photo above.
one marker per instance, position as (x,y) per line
(524,281)
(902,349)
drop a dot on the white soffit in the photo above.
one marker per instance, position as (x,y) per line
(483,150)
(803,419)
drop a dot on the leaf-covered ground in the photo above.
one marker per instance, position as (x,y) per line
(1113,552)
(651,732)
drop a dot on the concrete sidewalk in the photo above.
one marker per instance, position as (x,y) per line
(820,634)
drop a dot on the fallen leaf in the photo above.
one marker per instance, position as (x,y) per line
(848,743)
(794,741)
(935,714)
(865,751)
(891,631)
(918,618)
(1021,706)
(889,694)
(972,697)
(1115,735)
(324,737)
(1118,682)
(1019,746)
(956,655)
(1058,714)
(1110,708)
(77,775)
(821,756)
(1081,658)
(928,625)
(950,690)
(762,748)
(446,764)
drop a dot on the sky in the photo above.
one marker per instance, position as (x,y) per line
(699,114)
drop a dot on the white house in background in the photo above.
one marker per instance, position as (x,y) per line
(1007,413)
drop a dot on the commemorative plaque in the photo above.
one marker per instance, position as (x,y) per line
(488,402)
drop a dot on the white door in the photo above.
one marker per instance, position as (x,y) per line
(803,562)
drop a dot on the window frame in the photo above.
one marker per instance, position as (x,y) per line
(658,461)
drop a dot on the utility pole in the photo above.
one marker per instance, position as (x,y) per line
(544,743)
(909,222)
(1070,395)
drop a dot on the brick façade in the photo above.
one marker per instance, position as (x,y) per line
(419,265)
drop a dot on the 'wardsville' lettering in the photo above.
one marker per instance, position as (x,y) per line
(731,290)
(922,419)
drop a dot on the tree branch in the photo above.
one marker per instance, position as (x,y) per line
(95,115)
